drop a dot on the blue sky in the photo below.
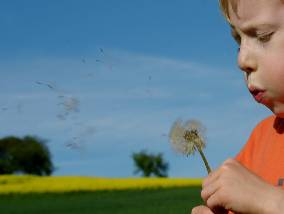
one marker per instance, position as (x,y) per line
(103,79)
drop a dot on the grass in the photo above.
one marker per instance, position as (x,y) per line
(147,201)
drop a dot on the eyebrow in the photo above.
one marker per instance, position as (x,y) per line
(250,29)
(253,28)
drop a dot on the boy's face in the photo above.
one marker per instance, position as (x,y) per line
(258,27)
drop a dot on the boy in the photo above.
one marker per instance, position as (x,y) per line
(253,182)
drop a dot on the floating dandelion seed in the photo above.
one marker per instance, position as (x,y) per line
(188,137)
(104,59)
(46,84)
(71,104)
(78,141)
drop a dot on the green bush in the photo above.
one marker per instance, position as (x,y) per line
(28,155)
(150,164)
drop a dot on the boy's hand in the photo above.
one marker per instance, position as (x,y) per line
(235,188)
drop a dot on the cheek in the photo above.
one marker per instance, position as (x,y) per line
(273,73)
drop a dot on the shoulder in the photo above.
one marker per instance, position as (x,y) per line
(263,132)
(256,140)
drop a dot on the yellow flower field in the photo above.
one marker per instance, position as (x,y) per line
(34,184)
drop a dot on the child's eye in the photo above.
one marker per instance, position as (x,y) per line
(264,37)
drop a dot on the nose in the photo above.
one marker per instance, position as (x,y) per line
(247,59)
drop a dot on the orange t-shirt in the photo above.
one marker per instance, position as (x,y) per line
(263,153)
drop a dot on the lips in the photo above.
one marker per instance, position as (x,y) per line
(258,94)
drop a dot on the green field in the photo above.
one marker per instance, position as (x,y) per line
(164,201)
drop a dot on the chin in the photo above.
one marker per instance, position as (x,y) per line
(280,115)
(278,112)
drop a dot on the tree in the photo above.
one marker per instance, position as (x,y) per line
(28,155)
(150,164)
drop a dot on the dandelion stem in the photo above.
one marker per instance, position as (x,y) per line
(204,159)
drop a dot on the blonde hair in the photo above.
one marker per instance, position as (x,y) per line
(224,6)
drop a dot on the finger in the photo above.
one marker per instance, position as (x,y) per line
(216,200)
(212,177)
(209,190)
(201,210)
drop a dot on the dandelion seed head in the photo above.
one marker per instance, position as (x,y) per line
(187,136)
